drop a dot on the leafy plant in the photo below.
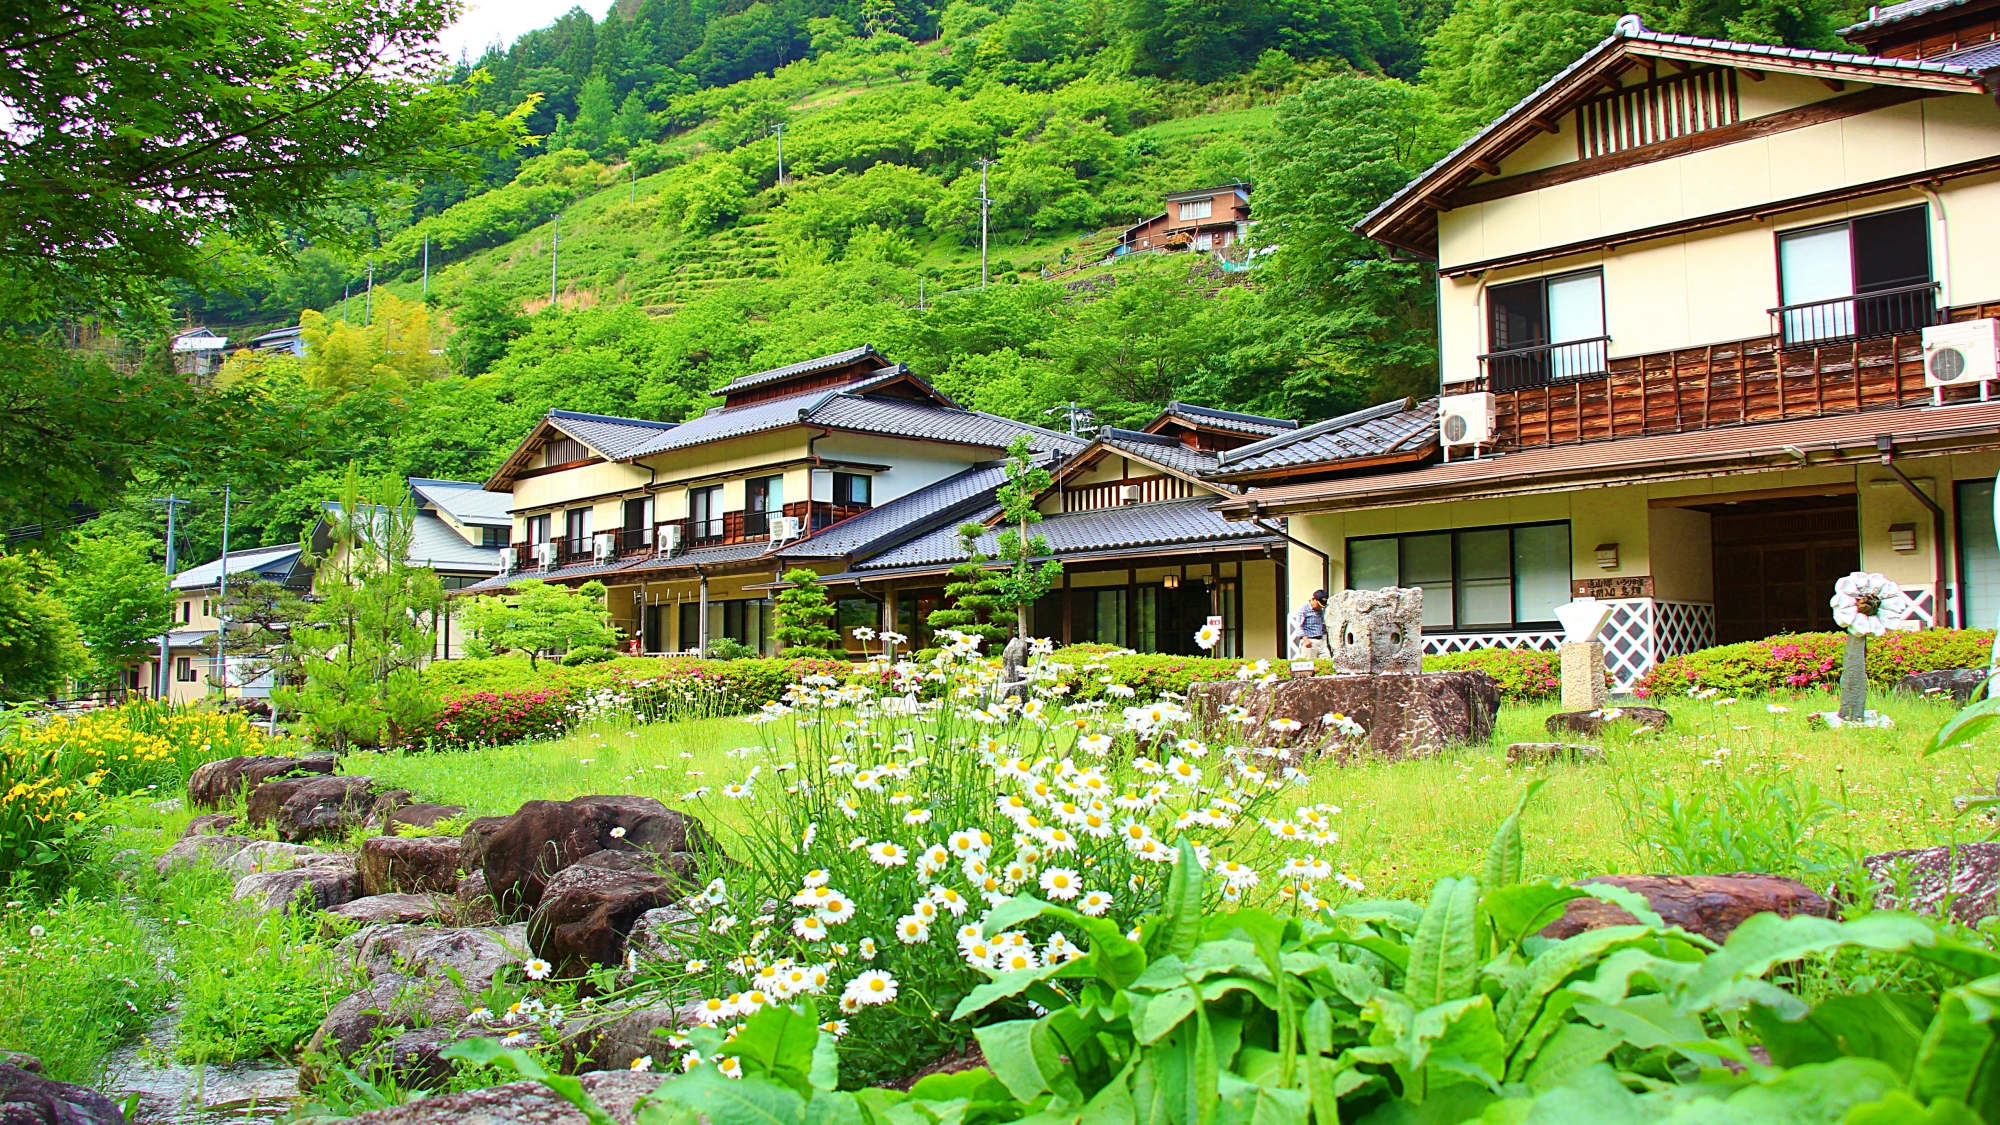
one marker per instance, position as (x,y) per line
(1746,823)
(1811,660)
(540,618)
(802,613)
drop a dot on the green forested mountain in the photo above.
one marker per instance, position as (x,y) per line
(685,261)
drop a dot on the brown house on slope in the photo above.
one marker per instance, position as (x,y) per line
(1207,219)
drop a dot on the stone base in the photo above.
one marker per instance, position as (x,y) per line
(1831,720)
(1583,676)
(1956,683)
(1552,752)
(1405,716)
(1595,722)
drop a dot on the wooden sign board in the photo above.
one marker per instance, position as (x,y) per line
(1635,586)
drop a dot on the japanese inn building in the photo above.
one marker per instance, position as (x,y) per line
(1716,328)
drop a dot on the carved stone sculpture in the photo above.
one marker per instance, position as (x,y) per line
(1013,681)
(1376,631)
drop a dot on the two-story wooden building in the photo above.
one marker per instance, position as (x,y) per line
(1684,292)
(1203,220)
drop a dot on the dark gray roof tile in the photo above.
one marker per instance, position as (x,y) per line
(615,438)
(803,367)
(1159,450)
(1163,523)
(906,515)
(466,502)
(1229,419)
(1398,425)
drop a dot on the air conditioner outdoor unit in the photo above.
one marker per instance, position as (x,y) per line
(545,553)
(507,560)
(1128,494)
(784,528)
(668,539)
(604,547)
(1466,420)
(1958,355)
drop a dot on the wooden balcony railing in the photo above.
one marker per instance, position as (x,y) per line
(1727,384)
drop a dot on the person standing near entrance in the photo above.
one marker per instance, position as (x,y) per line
(1308,630)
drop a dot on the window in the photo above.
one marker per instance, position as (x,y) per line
(187,612)
(1866,277)
(852,488)
(576,530)
(913,615)
(763,498)
(1675,106)
(1198,210)
(638,513)
(1978,556)
(747,621)
(855,613)
(1549,330)
(1098,615)
(705,512)
(538,528)
(1483,578)
(495,536)
(184,669)
(564,451)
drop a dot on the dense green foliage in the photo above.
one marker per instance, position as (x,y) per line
(1809,660)
(801,613)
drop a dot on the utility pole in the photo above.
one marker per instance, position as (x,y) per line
(164,687)
(635,180)
(368,301)
(555,254)
(779,129)
(985,203)
(1079,418)
(427,265)
(221,593)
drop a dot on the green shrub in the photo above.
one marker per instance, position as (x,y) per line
(1802,661)
(587,654)
(1523,674)
(726,648)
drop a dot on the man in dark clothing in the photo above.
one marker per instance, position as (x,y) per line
(1309,630)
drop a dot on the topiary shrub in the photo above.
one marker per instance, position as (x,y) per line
(1522,674)
(1800,661)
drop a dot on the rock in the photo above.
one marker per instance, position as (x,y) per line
(199,849)
(476,955)
(1552,752)
(322,881)
(1709,905)
(268,855)
(1376,632)
(1958,683)
(542,838)
(1590,724)
(413,864)
(474,904)
(472,843)
(1404,716)
(214,784)
(519,1103)
(417,1059)
(1920,879)
(391,1001)
(612,1040)
(208,824)
(305,808)
(30,1063)
(589,907)
(379,910)
(29,1099)
(662,936)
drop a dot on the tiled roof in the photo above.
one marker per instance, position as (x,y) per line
(803,367)
(906,516)
(466,502)
(189,638)
(266,562)
(1159,450)
(1396,426)
(1896,13)
(1163,523)
(1229,419)
(434,544)
(611,436)
(1981,56)
(632,568)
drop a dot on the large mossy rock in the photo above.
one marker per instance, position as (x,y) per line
(520,855)
(409,865)
(30,1099)
(520,1103)
(217,783)
(311,807)
(1405,716)
(590,907)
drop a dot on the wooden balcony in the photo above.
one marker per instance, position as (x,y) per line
(1728,384)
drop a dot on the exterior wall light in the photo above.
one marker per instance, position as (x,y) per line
(1607,556)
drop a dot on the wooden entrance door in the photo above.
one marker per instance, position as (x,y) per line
(1776,562)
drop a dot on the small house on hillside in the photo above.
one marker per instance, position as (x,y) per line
(1207,219)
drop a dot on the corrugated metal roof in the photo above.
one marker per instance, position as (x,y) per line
(1398,425)
(466,502)
(1165,522)
(1766,446)
(904,516)
(1159,450)
(803,367)
(611,436)
(1229,419)
(266,562)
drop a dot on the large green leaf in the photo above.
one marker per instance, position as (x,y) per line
(1967,725)
(1161,1013)
(1444,955)
(1645,1022)
(1960,1056)
(1812,1094)
(488,1052)
(1523,908)
(1503,856)
(749,1100)
(1570,1051)
(780,1042)
(1010,1049)
(1877,1025)
(1249,1103)
(1182,912)
(1522,1004)
(1460,1030)
(1005,986)
(1384,913)
(1898,1108)
(1764,940)
(1593,1095)
(1630,901)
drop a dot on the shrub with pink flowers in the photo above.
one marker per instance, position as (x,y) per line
(1522,674)
(1802,661)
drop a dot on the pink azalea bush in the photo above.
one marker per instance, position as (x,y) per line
(1804,661)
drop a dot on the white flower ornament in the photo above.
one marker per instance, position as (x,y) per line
(1868,605)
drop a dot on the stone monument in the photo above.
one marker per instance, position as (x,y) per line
(1582,654)
(1013,680)
(1376,632)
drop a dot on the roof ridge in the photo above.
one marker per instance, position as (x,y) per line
(1174,405)
(1354,418)
(581,416)
(1116,433)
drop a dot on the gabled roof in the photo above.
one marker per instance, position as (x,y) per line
(1202,416)
(1897,13)
(945,503)
(433,543)
(1398,430)
(265,562)
(1130,527)
(605,435)
(1207,192)
(1408,219)
(1156,449)
(854,356)
(465,501)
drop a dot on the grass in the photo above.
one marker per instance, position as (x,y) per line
(1405,822)
(78,976)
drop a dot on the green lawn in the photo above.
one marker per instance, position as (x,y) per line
(1404,823)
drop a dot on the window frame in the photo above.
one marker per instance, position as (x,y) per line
(1787,313)
(1193,209)
(713,517)
(867,482)
(1961,607)
(1513,574)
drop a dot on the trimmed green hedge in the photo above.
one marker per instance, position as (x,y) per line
(1523,674)
(1800,661)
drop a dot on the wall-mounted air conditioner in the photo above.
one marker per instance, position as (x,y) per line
(507,560)
(604,547)
(1961,354)
(545,554)
(667,539)
(1466,420)
(784,529)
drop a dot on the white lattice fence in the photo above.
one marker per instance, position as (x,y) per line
(1438,644)
(1639,633)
